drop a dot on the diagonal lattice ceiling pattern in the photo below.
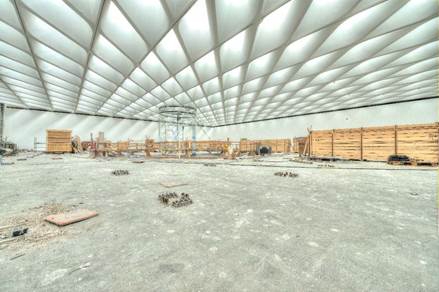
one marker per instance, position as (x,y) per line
(233,61)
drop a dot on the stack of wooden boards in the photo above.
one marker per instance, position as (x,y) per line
(58,141)
(299,144)
(277,145)
(186,145)
(419,142)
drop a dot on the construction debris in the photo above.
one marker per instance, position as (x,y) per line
(18,231)
(38,231)
(17,256)
(120,172)
(325,166)
(76,144)
(301,161)
(81,267)
(67,218)
(398,160)
(10,233)
(286,174)
(7,148)
(209,164)
(175,200)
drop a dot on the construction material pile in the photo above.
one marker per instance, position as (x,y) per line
(286,174)
(210,164)
(175,200)
(398,160)
(120,172)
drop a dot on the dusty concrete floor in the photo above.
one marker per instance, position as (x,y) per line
(330,229)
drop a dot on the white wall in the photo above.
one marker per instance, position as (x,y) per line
(417,112)
(21,126)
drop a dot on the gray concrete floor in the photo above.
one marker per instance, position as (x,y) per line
(330,229)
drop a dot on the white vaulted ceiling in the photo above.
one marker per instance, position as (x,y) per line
(234,61)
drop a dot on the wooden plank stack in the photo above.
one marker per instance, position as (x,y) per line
(347,143)
(202,145)
(299,144)
(378,143)
(419,142)
(122,146)
(277,145)
(321,143)
(58,141)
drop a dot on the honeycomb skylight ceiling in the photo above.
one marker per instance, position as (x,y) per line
(234,61)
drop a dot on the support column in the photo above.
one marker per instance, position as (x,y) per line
(194,139)
(2,120)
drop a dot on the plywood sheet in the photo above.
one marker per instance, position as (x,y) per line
(71,217)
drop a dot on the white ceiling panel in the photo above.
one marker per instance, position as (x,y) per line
(234,61)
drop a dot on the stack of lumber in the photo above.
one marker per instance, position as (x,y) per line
(322,143)
(418,142)
(277,145)
(210,145)
(203,145)
(136,146)
(247,146)
(299,144)
(58,141)
(378,143)
(347,143)
(122,146)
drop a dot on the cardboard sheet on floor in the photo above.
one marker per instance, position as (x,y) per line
(172,184)
(71,217)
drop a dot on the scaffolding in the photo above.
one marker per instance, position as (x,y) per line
(177,130)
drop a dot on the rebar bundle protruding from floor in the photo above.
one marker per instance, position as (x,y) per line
(286,174)
(120,172)
(175,200)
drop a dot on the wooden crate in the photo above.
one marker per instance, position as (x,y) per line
(418,142)
(58,141)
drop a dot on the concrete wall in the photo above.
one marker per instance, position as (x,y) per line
(21,126)
(418,112)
